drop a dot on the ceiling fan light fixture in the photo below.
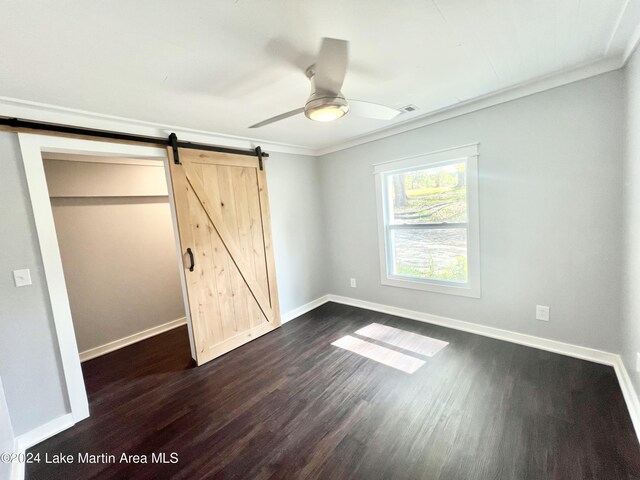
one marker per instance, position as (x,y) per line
(326,114)
(326,109)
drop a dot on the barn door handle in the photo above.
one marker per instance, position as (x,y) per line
(191,259)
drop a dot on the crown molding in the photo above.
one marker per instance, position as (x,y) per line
(626,34)
(24,109)
(27,110)
(478,103)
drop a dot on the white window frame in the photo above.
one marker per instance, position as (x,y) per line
(469,153)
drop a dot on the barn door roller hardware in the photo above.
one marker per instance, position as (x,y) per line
(259,154)
(172,141)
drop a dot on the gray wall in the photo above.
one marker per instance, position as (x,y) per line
(550,196)
(297,223)
(29,362)
(116,239)
(631,265)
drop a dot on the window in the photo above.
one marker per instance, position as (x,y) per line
(428,222)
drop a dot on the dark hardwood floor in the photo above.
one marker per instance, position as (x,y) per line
(291,405)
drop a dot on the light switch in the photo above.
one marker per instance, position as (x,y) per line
(22,277)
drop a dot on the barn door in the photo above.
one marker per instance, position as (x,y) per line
(224,226)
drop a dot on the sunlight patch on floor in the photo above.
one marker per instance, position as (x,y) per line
(380,354)
(394,337)
(402,339)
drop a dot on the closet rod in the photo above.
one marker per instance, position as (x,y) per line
(52,127)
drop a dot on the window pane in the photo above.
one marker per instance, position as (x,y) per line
(429,195)
(437,254)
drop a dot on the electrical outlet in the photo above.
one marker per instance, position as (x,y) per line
(353,283)
(638,362)
(542,313)
(22,277)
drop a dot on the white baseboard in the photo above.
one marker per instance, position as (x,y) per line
(136,337)
(41,433)
(17,470)
(584,353)
(307,307)
(629,393)
(33,437)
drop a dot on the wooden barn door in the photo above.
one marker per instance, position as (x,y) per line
(223,219)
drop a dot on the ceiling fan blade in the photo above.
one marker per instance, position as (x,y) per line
(331,65)
(372,110)
(277,118)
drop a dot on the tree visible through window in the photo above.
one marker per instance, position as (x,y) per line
(426,222)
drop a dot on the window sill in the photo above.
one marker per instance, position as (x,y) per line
(462,291)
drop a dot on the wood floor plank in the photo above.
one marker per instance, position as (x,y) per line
(291,405)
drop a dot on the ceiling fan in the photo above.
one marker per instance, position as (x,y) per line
(326,102)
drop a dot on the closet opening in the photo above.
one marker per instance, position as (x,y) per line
(115,232)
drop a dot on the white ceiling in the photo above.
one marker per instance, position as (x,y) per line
(220,66)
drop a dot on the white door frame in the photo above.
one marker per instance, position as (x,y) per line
(33,146)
